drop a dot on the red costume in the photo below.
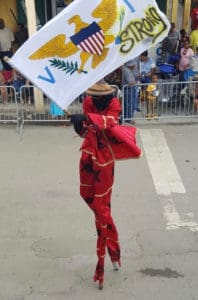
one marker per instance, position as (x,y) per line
(104,142)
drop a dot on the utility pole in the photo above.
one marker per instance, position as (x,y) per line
(169,9)
(31,16)
(186,15)
(175,4)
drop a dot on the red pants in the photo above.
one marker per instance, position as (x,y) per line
(95,188)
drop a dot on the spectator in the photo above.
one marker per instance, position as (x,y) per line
(184,62)
(130,90)
(170,44)
(6,40)
(152,94)
(194,16)
(194,39)
(115,78)
(21,35)
(28,93)
(6,79)
(18,81)
(135,64)
(147,67)
(183,38)
(195,100)
(56,112)
(12,78)
(3,90)
(193,68)
(135,68)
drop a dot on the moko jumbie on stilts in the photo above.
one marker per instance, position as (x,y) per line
(105,141)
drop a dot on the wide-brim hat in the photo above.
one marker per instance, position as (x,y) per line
(100,89)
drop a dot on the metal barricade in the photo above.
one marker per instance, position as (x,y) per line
(35,107)
(8,105)
(169,99)
(29,105)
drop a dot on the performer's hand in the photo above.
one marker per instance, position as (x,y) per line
(77,118)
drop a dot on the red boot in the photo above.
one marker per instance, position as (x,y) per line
(99,275)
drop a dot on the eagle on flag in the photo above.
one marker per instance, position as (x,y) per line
(91,40)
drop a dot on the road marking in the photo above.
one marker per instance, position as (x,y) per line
(166,178)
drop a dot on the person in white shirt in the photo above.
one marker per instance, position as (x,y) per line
(6,40)
(147,67)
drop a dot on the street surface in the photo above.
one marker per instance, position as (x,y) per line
(47,233)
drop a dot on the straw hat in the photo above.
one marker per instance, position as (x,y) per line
(100,88)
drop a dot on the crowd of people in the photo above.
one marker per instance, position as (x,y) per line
(11,80)
(180,50)
(180,53)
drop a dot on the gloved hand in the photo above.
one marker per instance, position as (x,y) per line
(77,120)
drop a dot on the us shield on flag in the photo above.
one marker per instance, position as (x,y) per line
(90,39)
(85,42)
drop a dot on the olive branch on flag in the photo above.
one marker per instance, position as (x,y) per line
(68,68)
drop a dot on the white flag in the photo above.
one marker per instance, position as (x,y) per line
(85,42)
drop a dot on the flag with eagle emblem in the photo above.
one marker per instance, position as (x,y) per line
(85,42)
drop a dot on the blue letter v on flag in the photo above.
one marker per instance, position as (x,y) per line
(50,77)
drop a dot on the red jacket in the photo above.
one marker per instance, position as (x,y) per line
(104,139)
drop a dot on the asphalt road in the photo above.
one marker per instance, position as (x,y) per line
(47,233)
